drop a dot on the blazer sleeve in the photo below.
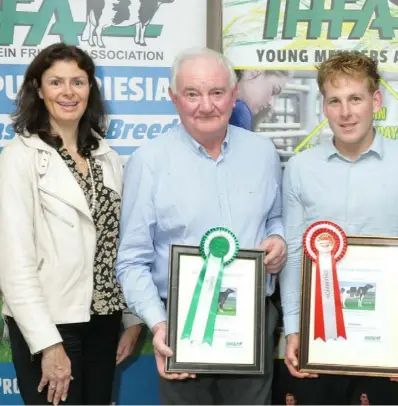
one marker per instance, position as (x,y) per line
(19,276)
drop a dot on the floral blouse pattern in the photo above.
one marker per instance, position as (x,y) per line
(107,295)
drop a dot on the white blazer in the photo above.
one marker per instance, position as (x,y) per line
(47,238)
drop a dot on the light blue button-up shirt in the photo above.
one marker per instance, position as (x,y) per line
(174,192)
(360,196)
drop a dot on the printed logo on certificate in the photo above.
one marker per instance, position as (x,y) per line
(347,321)
(216,306)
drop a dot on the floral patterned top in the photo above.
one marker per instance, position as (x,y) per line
(107,295)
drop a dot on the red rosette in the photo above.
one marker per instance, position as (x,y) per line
(328,240)
(324,233)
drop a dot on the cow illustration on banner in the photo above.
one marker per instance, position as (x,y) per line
(103,14)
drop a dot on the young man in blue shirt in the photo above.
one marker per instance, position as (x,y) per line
(349,180)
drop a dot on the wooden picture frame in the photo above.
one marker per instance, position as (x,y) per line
(239,337)
(367,275)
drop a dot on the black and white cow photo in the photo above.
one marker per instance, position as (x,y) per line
(227,302)
(102,14)
(358,295)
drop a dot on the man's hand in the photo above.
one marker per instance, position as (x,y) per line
(56,373)
(291,360)
(162,351)
(275,250)
(127,342)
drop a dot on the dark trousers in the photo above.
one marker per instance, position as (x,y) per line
(226,389)
(91,348)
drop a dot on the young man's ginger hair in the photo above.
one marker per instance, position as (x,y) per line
(348,64)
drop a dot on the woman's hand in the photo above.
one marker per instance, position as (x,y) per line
(127,342)
(56,373)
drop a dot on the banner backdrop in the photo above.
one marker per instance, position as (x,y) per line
(277,43)
(133,43)
(274,46)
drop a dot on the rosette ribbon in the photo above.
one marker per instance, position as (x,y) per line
(325,243)
(219,247)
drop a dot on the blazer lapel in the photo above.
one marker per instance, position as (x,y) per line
(55,178)
(109,173)
(60,183)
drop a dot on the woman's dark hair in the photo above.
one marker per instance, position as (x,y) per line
(31,114)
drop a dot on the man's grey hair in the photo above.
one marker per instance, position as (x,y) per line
(194,53)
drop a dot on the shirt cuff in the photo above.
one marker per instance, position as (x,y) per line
(154,315)
(275,228)
(291,324)
(42,341)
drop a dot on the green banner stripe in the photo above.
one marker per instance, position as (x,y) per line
(211,321)
(194,302)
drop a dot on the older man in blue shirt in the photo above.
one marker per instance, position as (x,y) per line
(350,180)
(200,175)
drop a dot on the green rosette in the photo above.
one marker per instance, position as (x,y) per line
(223,245)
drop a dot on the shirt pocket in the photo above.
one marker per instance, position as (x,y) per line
(255,199)
(167,199)
(180,202)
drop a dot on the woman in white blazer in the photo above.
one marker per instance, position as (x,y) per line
(60,198)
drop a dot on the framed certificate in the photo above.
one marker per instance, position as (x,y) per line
(348,303)
(216,312)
